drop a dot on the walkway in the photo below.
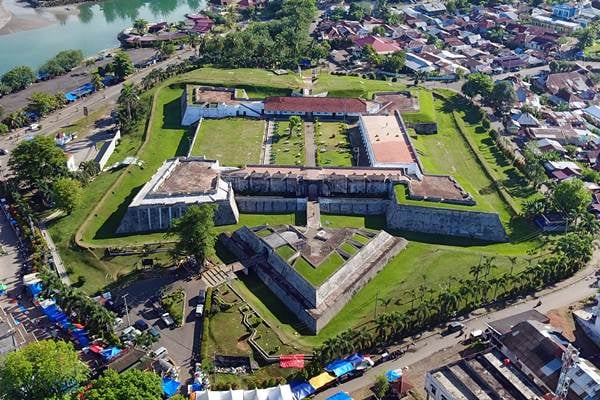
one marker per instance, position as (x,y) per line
(267,144)
(309,144)
(313,218)
(565,293)
(58,264)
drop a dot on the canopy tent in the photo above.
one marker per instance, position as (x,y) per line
(339,367)
(170,386)
(354,359)
(110,352)
(292,361)
(95,348)
(340,396)
(301,389)
(2,288)
(282,392)
(393,375)
(321,380)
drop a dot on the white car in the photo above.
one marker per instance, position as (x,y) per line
(35,127)
(199,310)
(167,319)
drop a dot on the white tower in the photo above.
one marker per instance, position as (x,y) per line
(569,358)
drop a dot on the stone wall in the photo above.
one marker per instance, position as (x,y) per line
(423,128)
(355,206)
(469,224)
(371,267)
(159,218)
(270,204)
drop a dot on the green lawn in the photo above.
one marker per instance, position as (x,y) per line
(376,222)
(286,149)
(333,145)
(348,248)
(351,86)
(285,251)
(426,111)
(257,83)
(319,274)
(168,139)
(401,192)
(232,141)
(418,264)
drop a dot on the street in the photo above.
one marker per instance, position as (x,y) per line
(569,291)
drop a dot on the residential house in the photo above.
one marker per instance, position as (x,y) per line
(549,146)
(381,46)
(562,170)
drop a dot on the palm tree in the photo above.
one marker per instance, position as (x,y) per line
(129,99)
(97,81)
(419,76)
(140,25)
(382,325)
(363,339)
(488,264)
(513,263)
(475,270)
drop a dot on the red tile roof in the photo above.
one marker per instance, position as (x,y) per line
(316,104)
(381,46)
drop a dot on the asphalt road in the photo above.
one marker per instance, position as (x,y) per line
(580,286)
(70,114)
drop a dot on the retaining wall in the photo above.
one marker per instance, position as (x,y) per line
(469,224)
(355,206)
(269,204)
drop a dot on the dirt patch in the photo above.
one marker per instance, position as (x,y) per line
(242,345)
(563,320)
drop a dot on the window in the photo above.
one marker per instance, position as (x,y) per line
(579,372)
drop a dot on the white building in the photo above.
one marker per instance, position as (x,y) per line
(208,102)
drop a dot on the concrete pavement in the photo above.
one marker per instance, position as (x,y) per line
(578,287)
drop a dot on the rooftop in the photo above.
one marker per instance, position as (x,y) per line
(315,104)
(206,95)
(386,141)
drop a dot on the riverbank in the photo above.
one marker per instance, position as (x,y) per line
(20,16)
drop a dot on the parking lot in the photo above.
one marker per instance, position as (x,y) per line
(182,343)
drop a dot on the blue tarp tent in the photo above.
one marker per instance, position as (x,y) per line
(170,386)
(340,396)
(393,375)
(196,387)
(301,389)
(34,288)
(354,359)
(339,367)
(110,353)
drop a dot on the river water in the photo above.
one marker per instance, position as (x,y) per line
(92,29)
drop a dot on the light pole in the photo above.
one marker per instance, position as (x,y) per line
(126,308)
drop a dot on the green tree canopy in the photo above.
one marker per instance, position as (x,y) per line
(42,370)
(140,25)
(502,97)
(44,103)
(18,78)
(394,62)
(62,63)
(194,232)
(122,65)
(132,384)
(67,194)
(478,84)
(38,161)
(571,197)
(381,386)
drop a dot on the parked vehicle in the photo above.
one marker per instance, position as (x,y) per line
(160,352)
(154,332)
(3,152)
(167,319)
(141,325)
(199,310)
(454,327)
(35,127)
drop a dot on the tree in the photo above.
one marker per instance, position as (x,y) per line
(295,125)
(18,78)
(43,103)
(67,194)
(62,63)
(478,84)
(394,62)
(586,36)
(122,65)
(571,197)
(194,232)
(356,12)
(97,81)
(16,119)
(132,384)
(140,25)
(369,54)
(128,104)
(381,386)
(337,14)
(43,370)
(3,129)
(38,161)
(502,97)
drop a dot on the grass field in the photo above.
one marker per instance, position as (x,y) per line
(232,141)
(319,274)
(426,111)
(351,86)
(286,149)
(333,145)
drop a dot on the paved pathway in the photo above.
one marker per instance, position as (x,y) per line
(578,287)
(309,144)
(267,144)
(58,264)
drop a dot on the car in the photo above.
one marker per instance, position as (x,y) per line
(141,325)
(167,320)
(160,352)
(201,296)
(3,152)
(154,332)
(199,309)
(130,333)
(454,327)
(35,127)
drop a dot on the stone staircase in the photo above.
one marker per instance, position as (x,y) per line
(216,276)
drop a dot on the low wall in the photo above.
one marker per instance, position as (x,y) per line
(469,224)
(424,128)
(269,204)
(355,206)
(107,149)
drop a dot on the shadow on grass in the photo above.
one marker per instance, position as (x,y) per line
(266,296)
(172,114)
(109,227)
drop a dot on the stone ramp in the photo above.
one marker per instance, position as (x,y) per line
(313,217)
(218,275)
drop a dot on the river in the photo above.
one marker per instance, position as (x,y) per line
(89,27)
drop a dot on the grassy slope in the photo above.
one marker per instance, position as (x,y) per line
(232,141)
(426,111)
(319,274)
(351,86)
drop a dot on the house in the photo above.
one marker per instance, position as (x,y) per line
(593,112)
(432,9)
(509,62)
(549,145)
(317,106)
(565,10)
(381,46)
(418,64)
(553,23)
(562,170)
